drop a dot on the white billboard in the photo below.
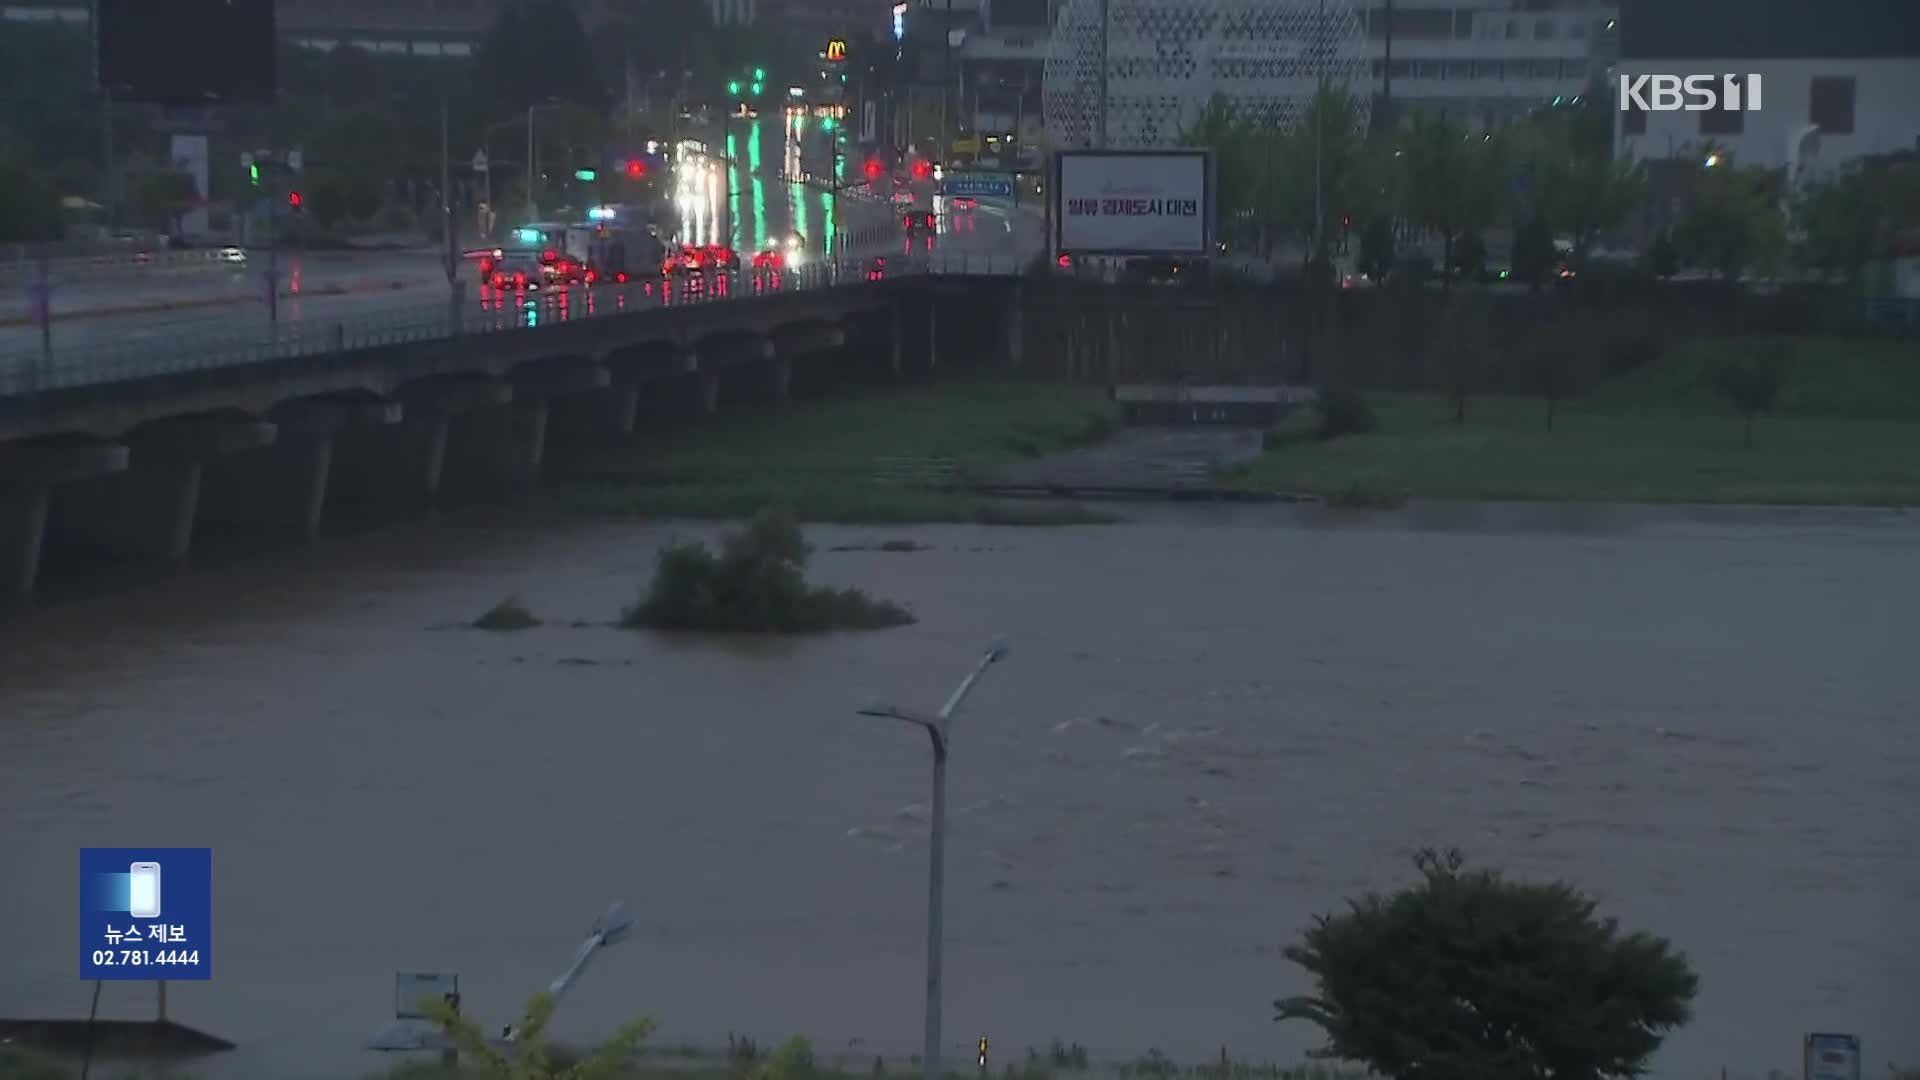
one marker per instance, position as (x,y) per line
(1133,202)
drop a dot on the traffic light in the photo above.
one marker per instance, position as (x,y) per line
(872,169)
(826,123)
(584,175)
(253,174)
(733,86)
(636,168)
(759,74)
(922,170)
(756,89)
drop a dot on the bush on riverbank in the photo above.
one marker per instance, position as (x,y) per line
(509,614)
(756,583)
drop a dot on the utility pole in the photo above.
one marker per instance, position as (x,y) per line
(446,214)
(532,212)
(1319,127)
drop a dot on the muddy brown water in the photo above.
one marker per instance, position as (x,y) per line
(1214,724)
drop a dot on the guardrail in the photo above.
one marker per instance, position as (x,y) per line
(24,373)
(122,264)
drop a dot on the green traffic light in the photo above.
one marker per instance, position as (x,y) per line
(759,74)
(584,174)
(826,123)
(253,173)
(733,87)
(756,89)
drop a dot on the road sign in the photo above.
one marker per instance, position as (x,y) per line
(1832,1057)
(479,161)
(977,186)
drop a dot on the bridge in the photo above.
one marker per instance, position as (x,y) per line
(124,451)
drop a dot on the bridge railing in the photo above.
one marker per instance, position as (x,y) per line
(211,346)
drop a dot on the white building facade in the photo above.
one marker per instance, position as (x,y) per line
(1814,114)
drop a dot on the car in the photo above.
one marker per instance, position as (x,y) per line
(963,202)
(771,259)
(920,221)
(684,260)
(233,255)
(903,198)
(516,270)
(722,258)
(876,268)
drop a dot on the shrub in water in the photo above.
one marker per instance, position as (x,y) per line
(755,584)
(1343,412)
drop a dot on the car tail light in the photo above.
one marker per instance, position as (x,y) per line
(499,279)
(592,276)
(519,280)
(620,278)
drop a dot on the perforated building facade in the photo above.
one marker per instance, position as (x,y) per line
(1164,59)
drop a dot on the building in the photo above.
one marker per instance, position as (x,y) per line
(1837,81)
(1486,62)
(418,27)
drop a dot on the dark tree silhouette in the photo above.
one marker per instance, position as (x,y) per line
(1753,384)
(537,54)
(1468,976)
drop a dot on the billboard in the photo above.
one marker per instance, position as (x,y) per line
(1133,202)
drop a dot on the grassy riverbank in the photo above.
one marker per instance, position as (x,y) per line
(1844,432)
(858,457)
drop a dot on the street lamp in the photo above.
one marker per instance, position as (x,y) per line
(936,727)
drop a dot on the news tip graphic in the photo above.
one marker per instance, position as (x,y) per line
(146,913)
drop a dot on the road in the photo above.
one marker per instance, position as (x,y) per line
(327,289)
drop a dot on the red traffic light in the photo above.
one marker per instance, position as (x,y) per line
(293,199)
(871,168)
(1065,261)
(636,169)
(921,170)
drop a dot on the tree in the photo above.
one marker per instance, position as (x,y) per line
(155,197)
(1376,247)
(548,53)
(1662,256)
(29,207)
(1329,130)
(1585,197)
(1752,385)
(1469,976)
(529,1057)
(1533,252)
(1235,143)
(1732,224)
(1847,221)
(1452,181)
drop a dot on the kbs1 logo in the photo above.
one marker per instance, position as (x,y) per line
(1689,93)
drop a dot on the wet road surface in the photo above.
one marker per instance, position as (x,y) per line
(1214,724)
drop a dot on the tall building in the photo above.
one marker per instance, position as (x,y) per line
(420,27)
(1836,81)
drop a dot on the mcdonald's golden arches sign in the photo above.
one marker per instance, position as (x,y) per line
(836,50)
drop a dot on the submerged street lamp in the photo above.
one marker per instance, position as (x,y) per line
(936,727)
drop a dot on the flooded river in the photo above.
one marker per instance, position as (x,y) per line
(1213,725)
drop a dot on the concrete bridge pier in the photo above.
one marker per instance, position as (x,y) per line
(28,475)
(496,452)
(388,469)
(148,512)
(281,490)
(1016,327)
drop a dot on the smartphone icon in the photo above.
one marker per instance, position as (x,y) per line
(143,894)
